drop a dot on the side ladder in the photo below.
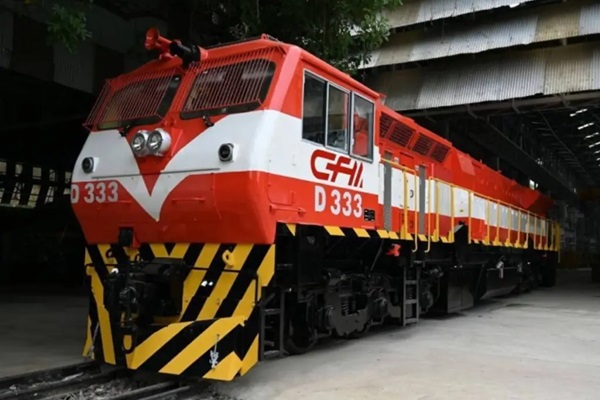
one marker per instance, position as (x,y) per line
(272,320)
(410,295)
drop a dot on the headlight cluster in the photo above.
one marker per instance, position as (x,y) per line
(156,143)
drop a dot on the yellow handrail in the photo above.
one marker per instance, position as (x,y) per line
(550,233)
(528,229)
(469,231)
(416,223)
(405,205)
(428,208)
(535,233)
(451,234)
(509,224)
(470,192)
(519,230)
(437,211)
(488,221)
(498,223)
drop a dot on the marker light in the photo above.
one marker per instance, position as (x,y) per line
(87,165)
(226,152)
(138,143)
(159,142)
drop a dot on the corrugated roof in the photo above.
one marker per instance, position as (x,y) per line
(418,11)
(530,26)
(590,17)
(548,71)
(596,71)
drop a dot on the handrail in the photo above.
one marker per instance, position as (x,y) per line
(488,222)
(416,223)
(527,230)
(428,208)
(509,225)
(535,233)
(550,236)
(469,231)
(437,211)
(469,191)
(405,209)
(518,243)
(451,214)
(498,223)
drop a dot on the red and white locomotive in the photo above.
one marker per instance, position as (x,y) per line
(249,199)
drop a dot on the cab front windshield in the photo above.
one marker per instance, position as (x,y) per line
(144,101)
(229,88)
(219,87)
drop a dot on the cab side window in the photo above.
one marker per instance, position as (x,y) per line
(314,109)
(362,127)
(337,119)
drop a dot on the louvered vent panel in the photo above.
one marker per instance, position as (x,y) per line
(440,152)
(423,145)
(385,123)
(401,134)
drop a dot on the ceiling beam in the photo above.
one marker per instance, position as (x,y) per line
(562,102)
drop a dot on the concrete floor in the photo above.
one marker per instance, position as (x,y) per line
(40,331)
(541,345)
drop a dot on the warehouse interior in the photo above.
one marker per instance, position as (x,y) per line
(514,83)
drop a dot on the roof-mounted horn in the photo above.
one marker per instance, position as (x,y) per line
(171,48)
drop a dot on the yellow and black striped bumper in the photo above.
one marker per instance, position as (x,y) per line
(216,336)
(332,230)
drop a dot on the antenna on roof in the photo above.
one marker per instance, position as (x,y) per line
(172,48)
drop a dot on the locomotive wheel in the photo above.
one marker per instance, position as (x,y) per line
(302,338)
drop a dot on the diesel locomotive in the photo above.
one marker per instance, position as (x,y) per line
(245,201)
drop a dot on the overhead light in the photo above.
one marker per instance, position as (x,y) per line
(592,135)
(594,144)
(597,151)
(578,112)
(585,126)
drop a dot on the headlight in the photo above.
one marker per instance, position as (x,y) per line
(159,142)
(138,143)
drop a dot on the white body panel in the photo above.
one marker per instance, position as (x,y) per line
(268,141)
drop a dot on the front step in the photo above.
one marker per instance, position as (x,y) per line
(272,329)
(410,294)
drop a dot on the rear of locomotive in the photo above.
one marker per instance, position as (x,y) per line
(170,197)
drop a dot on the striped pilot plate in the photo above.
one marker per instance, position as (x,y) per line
(352,232)
(333,230)
(216,336)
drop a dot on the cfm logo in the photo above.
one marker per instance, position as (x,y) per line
(328,167)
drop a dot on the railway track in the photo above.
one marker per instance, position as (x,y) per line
(89,380)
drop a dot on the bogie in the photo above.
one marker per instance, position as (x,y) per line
(344,286)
